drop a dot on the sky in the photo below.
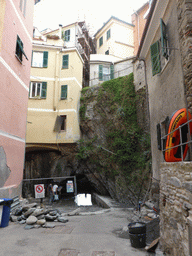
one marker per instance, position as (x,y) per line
(49,13)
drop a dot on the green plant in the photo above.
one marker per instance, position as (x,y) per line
(128,153)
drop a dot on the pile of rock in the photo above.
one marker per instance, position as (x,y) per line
(34,216)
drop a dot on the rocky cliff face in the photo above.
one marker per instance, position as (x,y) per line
(113,155)
(113,144)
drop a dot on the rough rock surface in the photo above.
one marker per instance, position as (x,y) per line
(99,114)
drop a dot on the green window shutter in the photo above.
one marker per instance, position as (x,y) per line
(100,72)
(29,89)
(155,58)
(100,41)
(65,61)
(63,92)
(44,90)
(45,59)
(108,34)
(112,71)
(164,41)
(67,35)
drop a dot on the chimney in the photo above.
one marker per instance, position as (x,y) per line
(60,31)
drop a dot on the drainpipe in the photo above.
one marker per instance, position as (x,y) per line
(147,92)
(60,32)
(56,82)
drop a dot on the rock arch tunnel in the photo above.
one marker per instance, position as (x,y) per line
(47,163)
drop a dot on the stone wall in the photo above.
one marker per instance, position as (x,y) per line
(175,206)
(184,8)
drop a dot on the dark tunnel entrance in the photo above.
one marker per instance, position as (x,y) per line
(84,186)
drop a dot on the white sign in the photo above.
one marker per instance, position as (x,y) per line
(39,191)
(70,186)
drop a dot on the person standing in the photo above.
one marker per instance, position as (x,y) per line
(50,193)
(55,187)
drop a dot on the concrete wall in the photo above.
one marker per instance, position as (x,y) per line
(175,206)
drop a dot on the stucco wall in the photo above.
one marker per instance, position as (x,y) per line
(166,90)
(120,44)
(15,76)
(139,21)
(42,113)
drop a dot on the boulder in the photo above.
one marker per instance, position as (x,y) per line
(28,206)
(62,219)
(42,216)
(48,217)
(36,226)
(41,222)
(18,211)
(48,225)
(53,213)
(28,226)
(29,212)
(31,220)
(75,212)
(22,222)
(13,218)
(38,212)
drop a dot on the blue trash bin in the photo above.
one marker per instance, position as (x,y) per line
(5,207)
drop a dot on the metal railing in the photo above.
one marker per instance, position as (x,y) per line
(181,143)
(107,77)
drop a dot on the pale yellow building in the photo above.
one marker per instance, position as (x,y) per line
(55,86)
(115,38)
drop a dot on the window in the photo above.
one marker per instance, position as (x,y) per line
(107,52)
(40,59)
(22,6)
(164,40)
(63,123)
(67,35)
(19,52)
(160,51)
(63,92)
(112,72)
(100,72)
(106,72)
(100,41)
(108,34)
(65,63)
(38,90)
(60,124)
